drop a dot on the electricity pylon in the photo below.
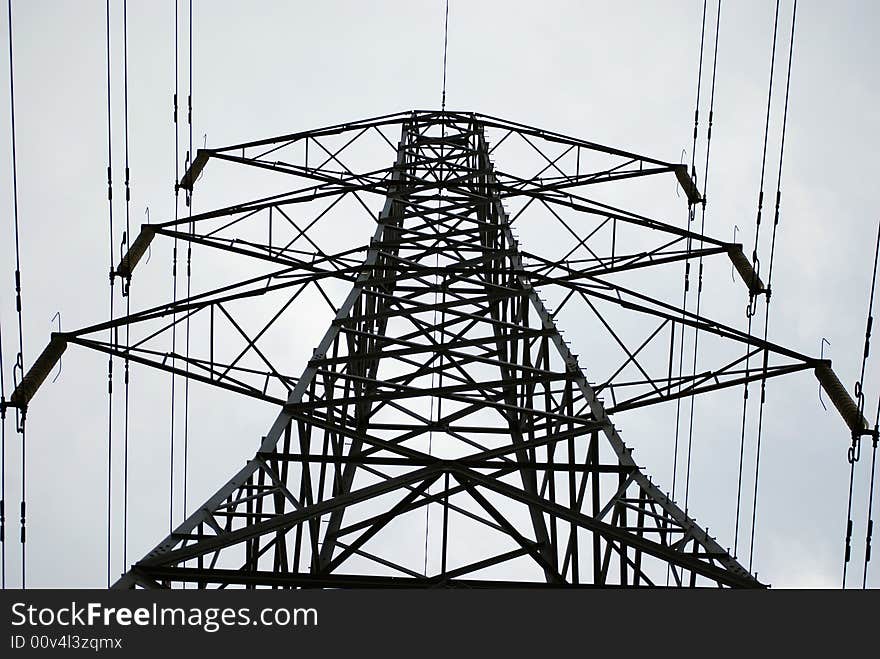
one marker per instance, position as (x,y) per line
(442,382)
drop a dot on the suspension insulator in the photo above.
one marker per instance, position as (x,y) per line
(687,184)
(838,394)
(39,371)
(744,268)
(136,251)
(189,178)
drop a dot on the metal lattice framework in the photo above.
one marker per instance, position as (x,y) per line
(442,379)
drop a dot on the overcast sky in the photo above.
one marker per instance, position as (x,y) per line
(622,74)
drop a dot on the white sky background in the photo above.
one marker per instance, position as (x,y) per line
(622,74)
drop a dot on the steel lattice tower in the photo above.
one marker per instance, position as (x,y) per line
(442,380)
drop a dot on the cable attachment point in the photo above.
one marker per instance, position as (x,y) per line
(860,397)
(17,377)
(752,306)
(853,454)
(755,291)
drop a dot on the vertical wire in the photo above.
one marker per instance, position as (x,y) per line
(766,133)
(2,368)
(687,266)
(854,451)
(870,310)
(700,261)
(687,269)
(112,260)
(870,522)
(770,280)
(742,443)
(127,289)
(174,274)
(870,526)
(188,280)
(852,468)
(756,266)
(18,305)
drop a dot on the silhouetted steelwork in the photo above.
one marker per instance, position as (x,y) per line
(442,380)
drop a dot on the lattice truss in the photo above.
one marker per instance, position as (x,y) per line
(442,379)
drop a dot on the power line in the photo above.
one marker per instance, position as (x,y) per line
(174,267)
(750,309)
(870,526)
(687,263)
(18,304)
(2,367)
(770,269)
(126,289)
(687,270)
(853,457)
(700,260)
(111,331)
(699,88)
(854,452)
(188,275)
